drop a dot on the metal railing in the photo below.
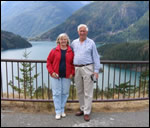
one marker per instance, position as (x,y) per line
(118,81)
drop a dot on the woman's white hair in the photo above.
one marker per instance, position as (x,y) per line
(82,25)
(63,35)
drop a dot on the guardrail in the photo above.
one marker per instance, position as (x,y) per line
(118,81)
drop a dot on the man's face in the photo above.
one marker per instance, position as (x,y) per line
(82,33)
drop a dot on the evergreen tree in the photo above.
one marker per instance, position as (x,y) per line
(27,80)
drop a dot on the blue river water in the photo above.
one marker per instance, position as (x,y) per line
(40,51)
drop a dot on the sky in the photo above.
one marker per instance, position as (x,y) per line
(84,2)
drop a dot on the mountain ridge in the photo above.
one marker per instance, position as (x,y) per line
(105,20)
(31,18)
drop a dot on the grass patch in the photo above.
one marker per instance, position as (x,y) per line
(48,108)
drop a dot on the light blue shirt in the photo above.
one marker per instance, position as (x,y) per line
(86,53)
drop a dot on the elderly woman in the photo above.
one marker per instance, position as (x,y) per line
(60,66)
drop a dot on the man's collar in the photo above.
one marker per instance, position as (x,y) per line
(84,40)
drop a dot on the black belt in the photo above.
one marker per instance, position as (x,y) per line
(82,65)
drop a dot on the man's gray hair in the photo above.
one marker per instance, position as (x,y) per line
(82,25)
(63,35)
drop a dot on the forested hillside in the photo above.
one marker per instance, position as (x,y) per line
(125,51)
(108,21)
(12,41)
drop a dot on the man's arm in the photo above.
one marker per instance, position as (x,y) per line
(96,59)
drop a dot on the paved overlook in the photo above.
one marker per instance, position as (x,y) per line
(98,119)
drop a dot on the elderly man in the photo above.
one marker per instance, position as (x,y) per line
(87,64)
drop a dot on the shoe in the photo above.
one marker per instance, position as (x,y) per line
(63,115)
(86,117)
(80,113)
(58,117)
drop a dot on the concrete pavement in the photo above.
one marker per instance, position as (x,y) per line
(98,119)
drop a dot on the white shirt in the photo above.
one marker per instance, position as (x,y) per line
(86,53)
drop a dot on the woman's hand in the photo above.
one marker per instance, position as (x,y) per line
(71,76)
(55,75)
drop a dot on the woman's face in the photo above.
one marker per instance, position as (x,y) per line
(63,41)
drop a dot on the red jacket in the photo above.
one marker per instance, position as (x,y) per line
(53,61)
